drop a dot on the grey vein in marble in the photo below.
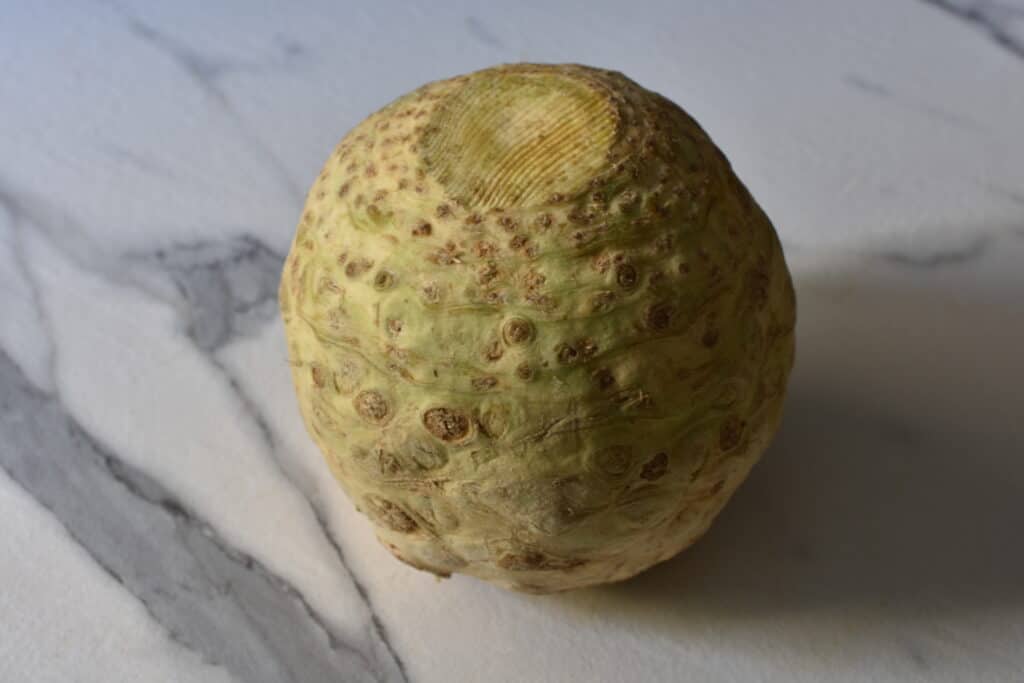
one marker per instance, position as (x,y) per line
(1007,194)
(13,234)
(229,287)
(209,596)
(206,72)
(482,32)
(139,162)
(992,17)
(880,91)
(939,258)
(228,290)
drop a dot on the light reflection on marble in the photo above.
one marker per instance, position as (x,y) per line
(165,517)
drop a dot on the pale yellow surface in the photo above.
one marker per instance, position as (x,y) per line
(537,326)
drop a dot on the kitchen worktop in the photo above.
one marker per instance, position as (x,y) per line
(165,517)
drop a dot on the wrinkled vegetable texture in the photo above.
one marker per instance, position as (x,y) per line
(539,329)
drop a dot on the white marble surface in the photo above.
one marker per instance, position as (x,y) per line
(163,515)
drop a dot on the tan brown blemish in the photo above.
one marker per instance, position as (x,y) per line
(587,348)
(659,316)
(524,371)
(384,279)
(614,460)
(493,351)
(372,406)
(709,338)
(517,331)
(601,301)
(485,249)
(446,424)
(486,272)
(604,378)
(730,433)
(484,383)
(655,468)
(532,560)
(357,267)
(567,354)
(448,255)
(389,515)
(626,276)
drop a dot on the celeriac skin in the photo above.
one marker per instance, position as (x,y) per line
(537,326)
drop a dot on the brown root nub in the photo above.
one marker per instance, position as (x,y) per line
(388,463)
(659,316)
(486,272)
(614,460)
(415,564)
(484,383)
(446,424)
(534,560)
(567,354)
(759,284)
(319,376)
(372,406)
(655,468)
(394,326)
(602,301)
(604,378)
(422,229)
(730,433)
(626,276)
(493,351)
(517,331)
(485,249)
(524,371)
(388,514)
(383,279)
(586,348)
(357,267)
(431,293)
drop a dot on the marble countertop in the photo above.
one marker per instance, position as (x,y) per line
(164,517)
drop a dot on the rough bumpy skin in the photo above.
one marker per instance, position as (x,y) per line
(539,329)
